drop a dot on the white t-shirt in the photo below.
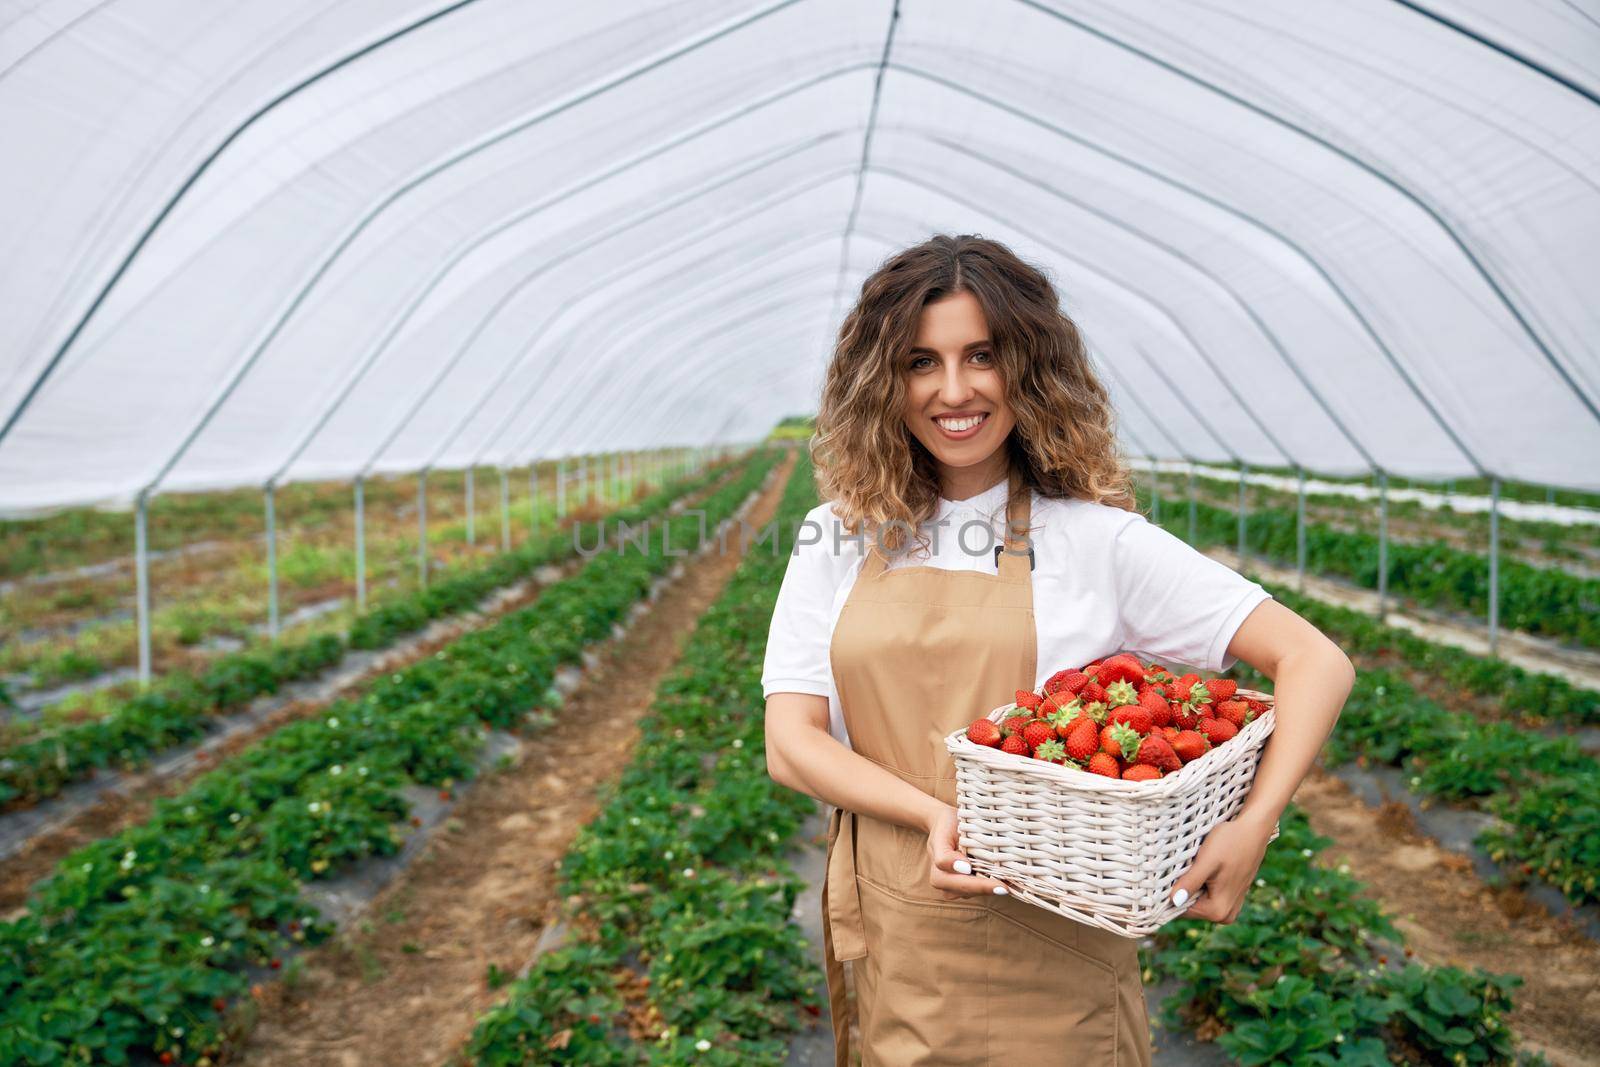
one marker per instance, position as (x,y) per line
(1113,581)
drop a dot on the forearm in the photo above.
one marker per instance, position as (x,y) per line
(1310,685)
(814,762)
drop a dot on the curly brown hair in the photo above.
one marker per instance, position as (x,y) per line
(1064,443)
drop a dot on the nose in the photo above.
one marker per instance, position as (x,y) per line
(955,388)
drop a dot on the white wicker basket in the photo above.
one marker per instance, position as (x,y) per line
(1099,850)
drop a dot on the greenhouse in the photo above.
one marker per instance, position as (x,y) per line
(411,419)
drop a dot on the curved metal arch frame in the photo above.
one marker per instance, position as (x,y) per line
(1382,175)
(1058,15)
(380,347)
(530,396)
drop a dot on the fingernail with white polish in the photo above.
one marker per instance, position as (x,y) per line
(1180,896)
(963,867)
(1001,891)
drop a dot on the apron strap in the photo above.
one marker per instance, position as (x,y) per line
(1014,563)
(844,935)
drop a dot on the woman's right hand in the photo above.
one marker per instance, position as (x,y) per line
(949,872)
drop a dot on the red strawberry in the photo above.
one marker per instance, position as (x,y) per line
(1028,700)
(1037,733)
(1015,745)
(1014,722)
(1083,739)
(1104,763)
(1190,745)
(1189,679)
(1141,772)
(1169,732)
(1180,691)
(1055,702)
(1051,751)
(1151,700)
(1090,668)
(1121,668)
(1222,688)
(1218,730)
(1257,706)
(1155,751)
(1118,739)
(1134,716)
(1185,717)
(1095,692)
(983,732)
(1232,710)
(1069,681)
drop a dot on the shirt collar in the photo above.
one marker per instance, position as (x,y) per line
(990,502)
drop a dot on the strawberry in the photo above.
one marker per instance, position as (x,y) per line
(1156,674)
(1066,717)
(1151,700)
(1135,716)
(983,732)
(1218,730)
(1180,691)
(1190,745)
(1083,739)
(1141,772)
(1119,739)
(1037,733)
(1257,706)
(1185,717)
(1097,711)
(1095,692)
(1055,702)
(1232,710)
(1012,722)
(1015,745)
(1051,751)
(1189,679)
(1122,667)
(1028,700)
(1155,751)
(1222,688)
(1104,763)
(1068,681)
(1090,668)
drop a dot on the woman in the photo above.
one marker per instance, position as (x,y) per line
(958,389)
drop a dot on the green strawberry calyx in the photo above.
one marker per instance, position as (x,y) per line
(1121,692)
(1127,739)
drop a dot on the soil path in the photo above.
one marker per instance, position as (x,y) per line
(1449,916)
(407,983)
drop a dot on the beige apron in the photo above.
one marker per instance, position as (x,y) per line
(919,651)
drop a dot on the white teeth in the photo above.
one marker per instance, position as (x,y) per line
(957,425)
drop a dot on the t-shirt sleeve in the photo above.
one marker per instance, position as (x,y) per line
(1176,603)
(802,618)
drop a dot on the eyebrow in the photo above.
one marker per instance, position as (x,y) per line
(915,350)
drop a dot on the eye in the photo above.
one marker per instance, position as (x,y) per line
(920,362)
(983,356)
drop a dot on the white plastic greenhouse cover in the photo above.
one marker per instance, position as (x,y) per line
(253,240)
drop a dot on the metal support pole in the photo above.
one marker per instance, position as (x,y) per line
(533,499)
(505,511)
(561,489)
(141,567)
(1300,532)
(1494,566)
(1193,508)
(1244,514)
(472,538)
(272,566)
(1383,544)
(361,545)
(422,528)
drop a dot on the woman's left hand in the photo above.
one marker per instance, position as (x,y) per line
(1226,866)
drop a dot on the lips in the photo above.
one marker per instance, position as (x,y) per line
(961,425)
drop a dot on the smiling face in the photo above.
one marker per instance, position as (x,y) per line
(955,401)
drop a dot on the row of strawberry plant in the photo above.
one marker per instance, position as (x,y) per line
(134,944)
(180,706)
(1312,971)
(1534,696)
(1536,600)
(680,887)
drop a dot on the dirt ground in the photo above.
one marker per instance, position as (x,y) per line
(407,985)
(1449,916)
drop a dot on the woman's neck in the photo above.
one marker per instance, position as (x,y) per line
(962,483)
